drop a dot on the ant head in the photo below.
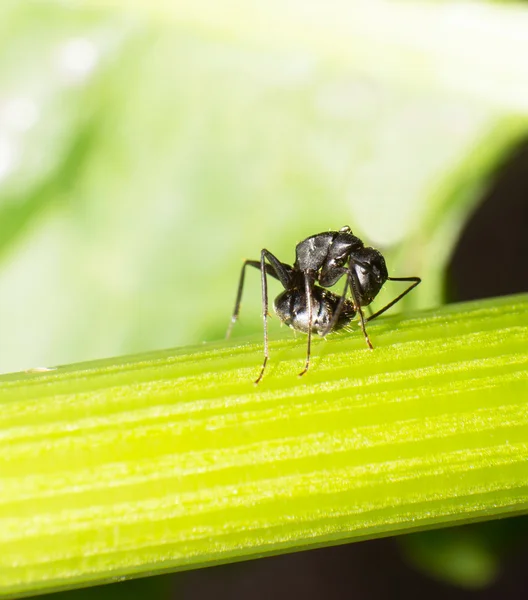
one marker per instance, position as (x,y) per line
(371,272)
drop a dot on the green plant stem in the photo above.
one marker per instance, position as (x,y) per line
(175,459)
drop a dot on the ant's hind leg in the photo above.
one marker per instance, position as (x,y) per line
(264,283)
(308,292)
(276,269)
(281,272)
(236,311)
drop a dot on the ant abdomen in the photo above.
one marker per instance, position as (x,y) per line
(292,309)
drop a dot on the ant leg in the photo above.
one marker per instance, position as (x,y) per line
(415,280)
(281,272)
(277,270)
(238,300)
(353,289)
(264,283)
(338,310)
(308,292)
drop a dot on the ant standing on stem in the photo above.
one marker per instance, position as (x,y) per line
(321,260)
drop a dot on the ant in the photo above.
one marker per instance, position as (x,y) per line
(321,260)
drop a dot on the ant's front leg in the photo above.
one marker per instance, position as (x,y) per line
(338,310)
(354,287)
(415,281)
(352,283)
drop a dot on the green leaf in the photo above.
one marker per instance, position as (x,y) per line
(175,459)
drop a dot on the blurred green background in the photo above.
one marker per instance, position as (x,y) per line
(147,148)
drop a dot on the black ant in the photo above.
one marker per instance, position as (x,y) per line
(320,261)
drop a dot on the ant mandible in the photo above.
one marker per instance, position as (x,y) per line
(321,260)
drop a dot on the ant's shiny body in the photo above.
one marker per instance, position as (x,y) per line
(321,260)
